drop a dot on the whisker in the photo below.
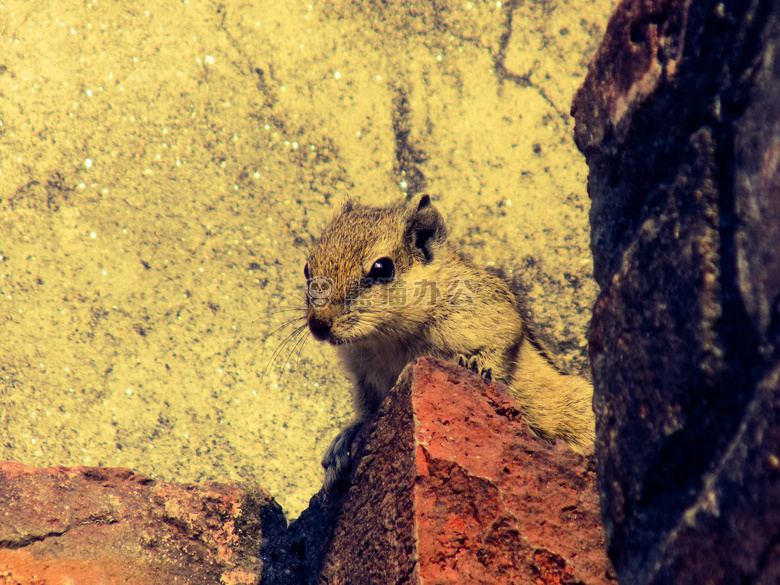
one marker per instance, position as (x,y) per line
(295,333)
(282,326)
(255,315)
(274,332)
(301,338)
(300,349)
(297,346)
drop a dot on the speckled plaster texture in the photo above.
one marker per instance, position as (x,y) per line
(165,166)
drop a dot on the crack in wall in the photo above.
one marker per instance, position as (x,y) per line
(31,539)
(408,156)
(504,74)
(270,99)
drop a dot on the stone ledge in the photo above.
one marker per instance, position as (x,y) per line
(450,487)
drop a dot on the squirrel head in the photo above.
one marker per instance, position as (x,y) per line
(357,272)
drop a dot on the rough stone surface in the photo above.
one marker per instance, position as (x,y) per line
(452,488)
(680,124)
(85,525)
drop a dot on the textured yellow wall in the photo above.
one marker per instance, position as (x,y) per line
(163,169)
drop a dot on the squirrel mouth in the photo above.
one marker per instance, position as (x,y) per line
(321,335)
(322,329)
(326,334)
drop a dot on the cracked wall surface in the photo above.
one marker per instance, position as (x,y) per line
(164,167)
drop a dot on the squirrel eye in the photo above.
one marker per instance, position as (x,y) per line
(306,271)
(382,269)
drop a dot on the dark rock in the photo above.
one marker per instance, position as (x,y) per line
(296,557)
(109,525)
(680,122)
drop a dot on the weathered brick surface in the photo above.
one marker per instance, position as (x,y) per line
(453,488)
(85,525)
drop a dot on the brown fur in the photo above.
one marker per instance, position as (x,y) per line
(437,304)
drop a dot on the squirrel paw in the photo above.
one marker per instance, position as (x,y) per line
(337,460)
(474,364)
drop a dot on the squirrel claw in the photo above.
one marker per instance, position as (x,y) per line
(474,364)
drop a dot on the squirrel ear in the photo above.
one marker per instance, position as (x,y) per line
(423,225)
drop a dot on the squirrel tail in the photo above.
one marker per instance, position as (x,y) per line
(554,405)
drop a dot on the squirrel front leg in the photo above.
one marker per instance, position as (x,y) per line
(337,460)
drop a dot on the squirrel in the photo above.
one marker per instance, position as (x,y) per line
(385,287)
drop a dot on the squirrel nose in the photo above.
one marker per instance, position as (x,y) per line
(320,325)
